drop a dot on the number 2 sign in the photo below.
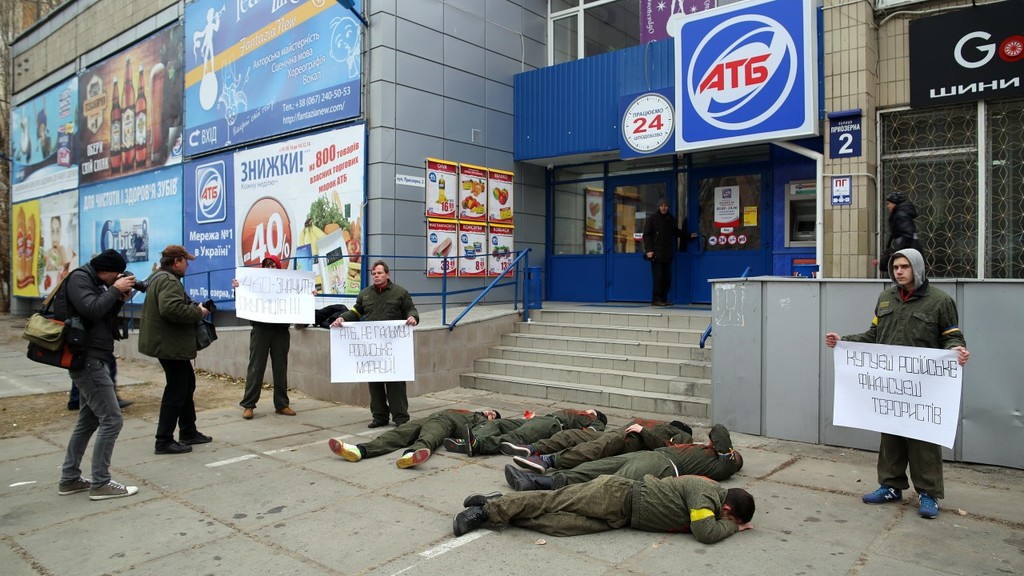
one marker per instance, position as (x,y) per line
(648,124)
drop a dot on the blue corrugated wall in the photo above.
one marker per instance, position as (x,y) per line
(573,108)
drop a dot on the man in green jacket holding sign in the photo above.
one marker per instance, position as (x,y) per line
(910,314)
(384,300)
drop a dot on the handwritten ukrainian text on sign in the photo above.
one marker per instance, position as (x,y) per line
(902,390)
(275,296)
(373,352)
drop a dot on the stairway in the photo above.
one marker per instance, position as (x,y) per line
(640,360)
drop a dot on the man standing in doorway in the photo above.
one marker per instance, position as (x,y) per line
(384,300)
(911,313)
(661,234)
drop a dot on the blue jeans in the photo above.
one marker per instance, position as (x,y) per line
(99,410)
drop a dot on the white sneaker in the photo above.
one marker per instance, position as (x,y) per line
(112,490)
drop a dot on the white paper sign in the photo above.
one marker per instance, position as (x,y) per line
(902,390)
(275,296)
(373,352)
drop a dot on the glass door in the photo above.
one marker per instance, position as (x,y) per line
(632,199)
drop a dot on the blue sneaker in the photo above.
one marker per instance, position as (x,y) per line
(929,507)
(883,495)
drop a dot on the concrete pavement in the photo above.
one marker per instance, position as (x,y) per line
(268,497)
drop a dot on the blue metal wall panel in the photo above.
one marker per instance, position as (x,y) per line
(573,108)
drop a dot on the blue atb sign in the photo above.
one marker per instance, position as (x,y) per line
(746,73)
(259,69)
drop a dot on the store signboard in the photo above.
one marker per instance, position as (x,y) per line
(746,73)
(209,216)
(975,53)
(259,69)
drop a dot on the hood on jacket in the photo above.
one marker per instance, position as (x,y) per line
(916,263)
(274,259)
(905,208)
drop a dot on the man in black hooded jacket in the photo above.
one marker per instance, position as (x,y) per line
(661,234)
(902,228)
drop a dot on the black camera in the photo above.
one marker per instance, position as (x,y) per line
(140,285)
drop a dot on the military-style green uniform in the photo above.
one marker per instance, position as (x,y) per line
(536,428)
(685,504)
(925,318)
(426,432)
(655,434)
(717,461)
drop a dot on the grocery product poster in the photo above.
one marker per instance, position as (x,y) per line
(472,242)
(441,248)
(472,196)
(500,249)
(209,216)
(442,188)
(44,143)
(58,239)
(304,198)
(259,69)
(137,216)
(131,114)
(499,205)
(25,253)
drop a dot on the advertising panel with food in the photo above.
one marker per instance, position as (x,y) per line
(499,205)
(131,109)
(441,188)
(260,69)
(25,253)
(209,216)
(502,250)
(137,216)
(303,198)
(441,251)
(594,216)
(472,249)
(44,143)
(472,193)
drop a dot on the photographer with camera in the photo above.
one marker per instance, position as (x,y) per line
(95,292)
(168,333)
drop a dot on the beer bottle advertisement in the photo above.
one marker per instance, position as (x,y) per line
(128,120)
(118,105)
(140,123)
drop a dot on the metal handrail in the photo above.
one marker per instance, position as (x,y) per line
(707,331)
(524,255)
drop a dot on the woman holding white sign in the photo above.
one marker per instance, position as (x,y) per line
(910,314)
(384,300)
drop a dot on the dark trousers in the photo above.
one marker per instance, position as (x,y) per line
(389,398)
(420,433)
(661,279)
(273,341)
(177,408)
(924,458)
(604,504)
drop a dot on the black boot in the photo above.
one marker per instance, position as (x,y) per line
(520,480)
(470,440)
(479,499)
(468,520)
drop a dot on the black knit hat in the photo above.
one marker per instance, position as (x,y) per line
(679,425)
(896,198)
(497,415)
(601,417)
(109,260)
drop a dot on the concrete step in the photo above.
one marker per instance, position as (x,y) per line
(612,331)
(598,345)
(613,362)
(591,395)
(671,318)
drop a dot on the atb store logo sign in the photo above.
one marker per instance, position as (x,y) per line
(211,205)
(746,74)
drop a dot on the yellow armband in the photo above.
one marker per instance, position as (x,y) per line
(700,514)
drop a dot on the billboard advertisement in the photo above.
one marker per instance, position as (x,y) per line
(209,216)
(58,242)
(259,69)
(303,198)
(131,109)
(44,144)
(137,216)
(746,73)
